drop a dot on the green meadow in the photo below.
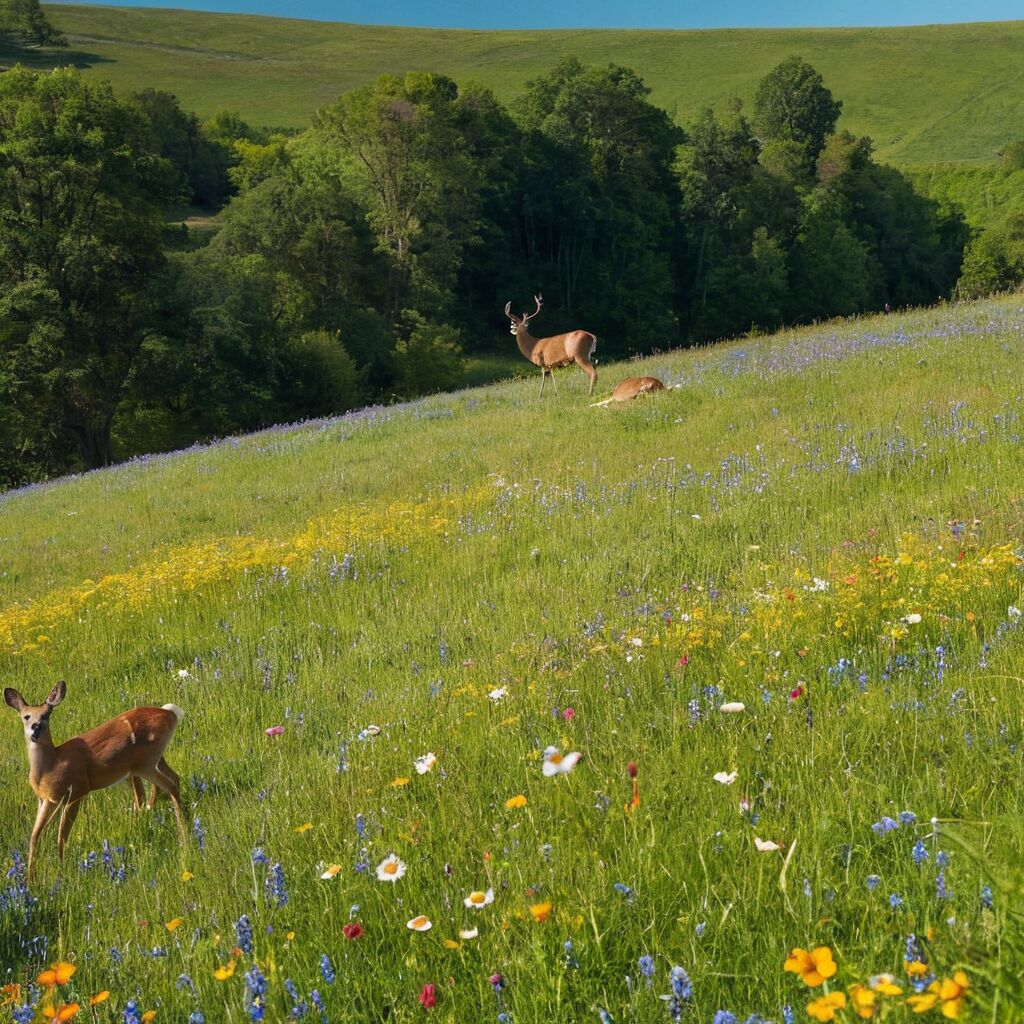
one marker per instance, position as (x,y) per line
(821,526)
(925,94)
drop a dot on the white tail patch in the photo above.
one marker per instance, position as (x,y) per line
(178,713)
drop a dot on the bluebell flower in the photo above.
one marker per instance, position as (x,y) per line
(681,984)
(941,892)
(986,897)
(787,1014)
(886,824)
(196,1017)
(326,969)
(243,934)
(872,882)
(23,1014)
(258,856)
(318,1003)
(907,817)
(131,1013)
(920,852)
(646,965)
(699,929)
(941,858)
(625,890)
(254,997)
(895,900)
(199,832)
(274,887)
(723,1017)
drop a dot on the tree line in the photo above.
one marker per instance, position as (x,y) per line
(362,258)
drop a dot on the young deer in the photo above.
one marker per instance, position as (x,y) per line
(551,353)
(632,387)
(130,746)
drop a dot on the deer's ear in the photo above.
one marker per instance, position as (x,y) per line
(13,699)
(57,694)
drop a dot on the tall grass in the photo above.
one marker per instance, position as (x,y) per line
(821,525)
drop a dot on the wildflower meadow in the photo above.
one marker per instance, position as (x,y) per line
(500,708)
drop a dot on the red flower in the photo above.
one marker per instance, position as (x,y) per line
(683,662)
(427,997)
(352,931)
(631,769)
(797,693)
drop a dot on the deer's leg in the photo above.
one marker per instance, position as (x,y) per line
(588,369)
(47,808)
(165,769)
(138,793)
(67,820)
(169,784)
(552,372)
(543,379)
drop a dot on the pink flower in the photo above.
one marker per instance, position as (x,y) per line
(568,714)
(428,996)
(797,693)
(683,662)
(275,730)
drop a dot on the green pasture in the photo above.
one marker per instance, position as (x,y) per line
(822,525)
(925,94)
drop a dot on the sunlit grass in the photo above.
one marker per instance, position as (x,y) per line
(821,526)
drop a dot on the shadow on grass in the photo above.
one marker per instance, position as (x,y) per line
(45,58)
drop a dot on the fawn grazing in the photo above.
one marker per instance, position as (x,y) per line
(632,387)
(551,353)
(130,746)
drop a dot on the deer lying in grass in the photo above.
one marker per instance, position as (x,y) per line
(632,387)
(552,353)
(130,746)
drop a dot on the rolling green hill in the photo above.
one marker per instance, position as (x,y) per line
(776,609)
(924,94)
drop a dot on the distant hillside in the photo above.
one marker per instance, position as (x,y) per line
(925,94)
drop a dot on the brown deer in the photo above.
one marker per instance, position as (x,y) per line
(632,387)
(130,746)
(551,353)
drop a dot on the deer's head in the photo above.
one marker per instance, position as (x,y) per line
(35,718)
(518,323)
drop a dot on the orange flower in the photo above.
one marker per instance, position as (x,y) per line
(515,802)
(57,974)
(541,911)
(148,1016)
(65,1012)
(174,924)
(100,997)
(824,1007)
(864,1001)
(11,994)
(813,967)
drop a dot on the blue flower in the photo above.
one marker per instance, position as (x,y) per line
(196,1017)
(646,965)
(131,1013)
(243,933)
(326,969)
(887,824)
(895,900)
(723,1017)
(986,897)
(872,882)
(920,852)
(942,858)
(907,817)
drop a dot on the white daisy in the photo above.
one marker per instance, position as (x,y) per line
(420,924)
(390,869)
(332,870)
(733,707)
(425,763)
(468,933)
(765,845)
(557,763)
(477,900)
(726,778)
(498,693)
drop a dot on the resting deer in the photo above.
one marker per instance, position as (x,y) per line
(632,387)
(130,746)
(551,353)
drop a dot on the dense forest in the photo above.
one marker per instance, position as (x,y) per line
(363,258)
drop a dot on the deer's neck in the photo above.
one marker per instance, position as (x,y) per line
(526,342)
(42,756)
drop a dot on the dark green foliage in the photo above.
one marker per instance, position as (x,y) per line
(83,199)
(24,20)
(994,259)
(430,359)
(793,105)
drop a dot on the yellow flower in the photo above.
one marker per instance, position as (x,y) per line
(187,876)
(330,871)
(148,1016)
(515,802)
(400,781)
(924,1002)
(225,972)
(916,969)
(951,992)
(885,984)
(304,828)
(541,911)
(452,944)
(65,1012)
(824,1007)
(864,1000)
(57,974)
(813,967)
(173,924)
(11,993)
(100,997)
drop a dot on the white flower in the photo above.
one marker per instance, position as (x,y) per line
(420,924)
(817,585)
(912,619)
(765,845)
(390,869)
(370,730)
(557,763)
(1013,613)
(497,694)
(332,870)
(424,763)
(468,933)
(183,673)
(695,515)
(726,779)
(733,707)
(637,642)
(478,900)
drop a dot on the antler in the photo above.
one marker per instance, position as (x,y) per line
(536,299)
(508,308)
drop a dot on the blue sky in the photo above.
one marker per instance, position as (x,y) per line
(616,13)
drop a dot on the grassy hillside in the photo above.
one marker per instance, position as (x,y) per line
(985,194)
(925,94)
(822,526)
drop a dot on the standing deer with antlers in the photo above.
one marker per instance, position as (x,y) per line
(551,353)
(130,746)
